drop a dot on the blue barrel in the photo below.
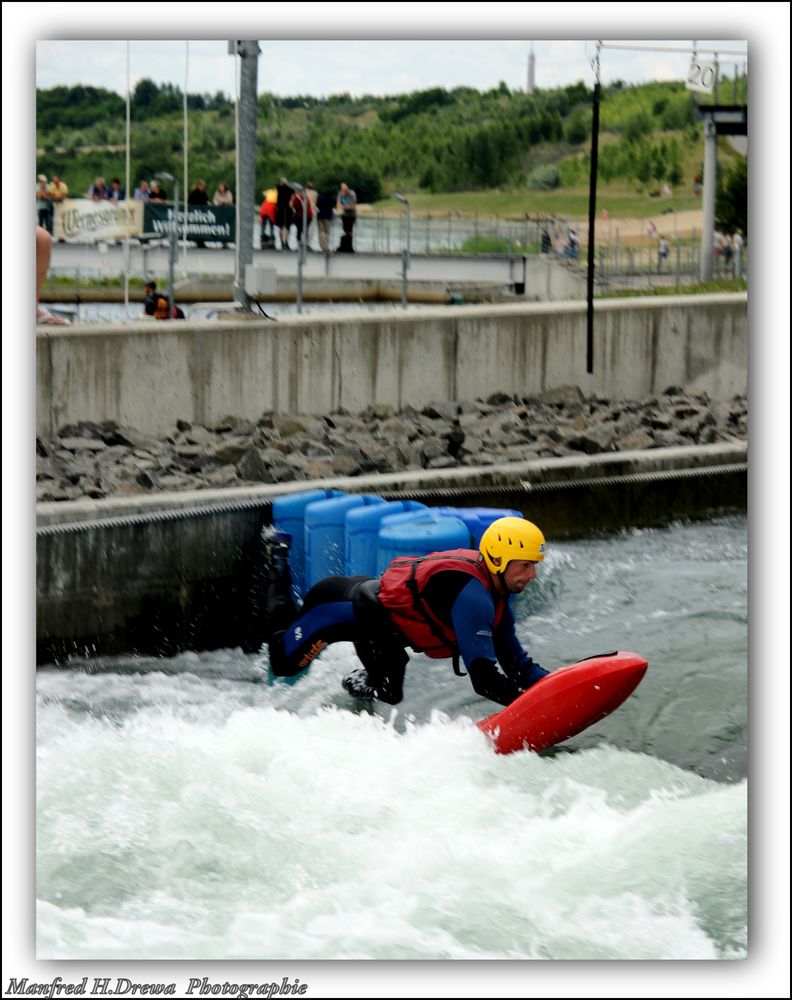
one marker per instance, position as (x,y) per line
(288,514)
(419,534)
(477,519)
(324,535)
(362,528)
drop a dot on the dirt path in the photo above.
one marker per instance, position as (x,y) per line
(637,232)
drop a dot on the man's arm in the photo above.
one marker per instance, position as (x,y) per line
(513,658)
(498,666)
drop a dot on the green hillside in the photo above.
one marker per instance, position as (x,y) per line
(498,147)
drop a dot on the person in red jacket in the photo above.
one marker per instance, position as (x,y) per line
(267,211)
(447,605)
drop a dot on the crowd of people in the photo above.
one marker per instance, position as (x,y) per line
(565,243)
(286,207)
(286,213)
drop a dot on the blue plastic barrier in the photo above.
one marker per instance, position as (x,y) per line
(417,534)
(362,528)
(288,514)
(477,519)
(325,535)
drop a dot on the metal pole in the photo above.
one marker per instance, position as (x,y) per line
(246,157)
(708,231)
(406,248)
(173,237)
(592,222)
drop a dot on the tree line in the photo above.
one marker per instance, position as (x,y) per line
(436,140)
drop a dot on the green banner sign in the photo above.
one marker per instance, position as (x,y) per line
(205,223)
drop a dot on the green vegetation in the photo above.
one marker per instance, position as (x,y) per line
(451,150)
(731,206)
(702,288)
(486,244)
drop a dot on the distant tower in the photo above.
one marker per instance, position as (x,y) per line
(531,68)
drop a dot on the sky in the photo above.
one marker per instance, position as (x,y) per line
(321,67)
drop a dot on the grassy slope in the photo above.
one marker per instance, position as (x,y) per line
(209,133)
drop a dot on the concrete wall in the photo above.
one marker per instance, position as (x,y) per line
(147,375)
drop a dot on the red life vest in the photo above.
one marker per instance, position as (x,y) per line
(401,592)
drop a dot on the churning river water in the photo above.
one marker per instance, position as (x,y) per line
(194,808)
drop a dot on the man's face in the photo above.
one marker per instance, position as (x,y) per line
(518,574)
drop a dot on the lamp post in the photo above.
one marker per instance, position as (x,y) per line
(300,242)
(173,230)
(406,248)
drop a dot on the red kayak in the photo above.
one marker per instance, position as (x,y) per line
(565,702)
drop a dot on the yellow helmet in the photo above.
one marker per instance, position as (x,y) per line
(511,538)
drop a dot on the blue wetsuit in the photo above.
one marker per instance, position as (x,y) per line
(342,609)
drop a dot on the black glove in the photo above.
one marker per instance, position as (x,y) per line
(489,682)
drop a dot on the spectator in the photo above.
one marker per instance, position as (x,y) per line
(150,301)
(43,255)
(57,189)
(157,192)
(573,245)
(222,195)
(738,243)
(545,245)
(198,195)
(116,192)
(98,190)
(313,197)
(325,204)
(58,192)
(561,247)
(346,204)
(300,218)
(267,214)
(728,251)
(44,204)
(717,246)
(283,212)
(161,309)
(141,191)
(663,251)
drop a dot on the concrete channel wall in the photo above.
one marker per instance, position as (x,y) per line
(148,375)
(159,574)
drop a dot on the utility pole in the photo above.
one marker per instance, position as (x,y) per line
(708,202)
(246,163)
(173,239)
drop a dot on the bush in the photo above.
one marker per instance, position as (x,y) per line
(638,126)
(731,205)
(544,178)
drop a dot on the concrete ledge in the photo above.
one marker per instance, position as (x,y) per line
(148,376)
(160,574)
(534,474)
